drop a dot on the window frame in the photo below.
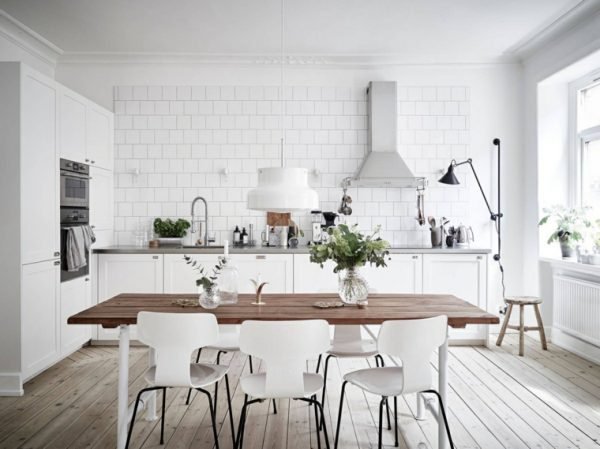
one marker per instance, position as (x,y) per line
(579,138)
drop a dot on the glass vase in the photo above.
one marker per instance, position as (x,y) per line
(209,298)
(352,287)
(228,283)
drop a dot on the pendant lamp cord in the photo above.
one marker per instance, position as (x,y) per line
(281,88)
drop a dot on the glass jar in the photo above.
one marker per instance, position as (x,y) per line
(228,282)
(352,287)
(209,298)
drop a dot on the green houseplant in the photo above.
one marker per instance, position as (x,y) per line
(350,249)
(569,226)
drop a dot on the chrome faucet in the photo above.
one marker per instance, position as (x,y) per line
(199,198)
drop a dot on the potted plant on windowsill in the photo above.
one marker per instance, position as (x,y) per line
(349,249)
(570,224)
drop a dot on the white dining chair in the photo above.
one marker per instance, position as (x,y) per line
(349,342)
(284,346)
(229,341)
(413,343)
(174,336)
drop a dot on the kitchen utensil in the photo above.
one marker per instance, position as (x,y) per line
(316,219)
(450,241)
(420,207)
(344,209)
(431,221)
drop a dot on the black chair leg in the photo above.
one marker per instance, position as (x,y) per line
(230,409)
(135,407)
(319,363)
(325,380)
(317,422)
(396,420)
(383,400)
(238,440)
(337,431)
(274,407)
(443,410)
(324,425)
(162,418)
(212,416)
(387,412)
(187,401)
(250,364)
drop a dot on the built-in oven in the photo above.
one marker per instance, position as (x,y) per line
(74,184)
(74,210)
(69,217)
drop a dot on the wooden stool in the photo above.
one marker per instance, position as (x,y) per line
(523,301)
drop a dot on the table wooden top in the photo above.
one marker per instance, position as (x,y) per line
(123,309)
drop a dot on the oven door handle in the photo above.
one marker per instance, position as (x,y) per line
(74,175)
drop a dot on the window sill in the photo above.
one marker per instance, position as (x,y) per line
(572,265)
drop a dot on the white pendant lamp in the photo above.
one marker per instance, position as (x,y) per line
(282,189)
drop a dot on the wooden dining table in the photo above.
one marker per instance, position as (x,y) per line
(122,310)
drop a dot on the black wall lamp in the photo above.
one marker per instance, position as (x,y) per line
(496,217)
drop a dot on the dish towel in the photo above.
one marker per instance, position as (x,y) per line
(79,242)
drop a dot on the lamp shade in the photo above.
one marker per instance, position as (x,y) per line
(282,190)
(449,177)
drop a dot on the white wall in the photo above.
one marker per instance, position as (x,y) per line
(546,74)
(495,111)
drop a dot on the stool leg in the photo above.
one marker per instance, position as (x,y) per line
(538,317)
(504,325)
(521,330)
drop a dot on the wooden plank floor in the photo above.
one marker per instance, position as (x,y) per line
(548,399)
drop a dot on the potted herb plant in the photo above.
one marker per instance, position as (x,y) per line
(209,295)
(569,226)
(169,231)
(349,249)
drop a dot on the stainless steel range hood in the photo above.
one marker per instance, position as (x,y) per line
(383,166)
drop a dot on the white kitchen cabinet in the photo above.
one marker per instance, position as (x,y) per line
(99,137)
(180,277)
(39,169)
(127,273)
(86,130)
(461,275)
(101,199)
(40,344)
(403,274)
(75,296)
(276,269)
(72,134)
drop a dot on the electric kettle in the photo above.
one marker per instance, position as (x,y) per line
(464,235)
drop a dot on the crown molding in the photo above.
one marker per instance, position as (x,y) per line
(27,39)
(565,20)
(271,60)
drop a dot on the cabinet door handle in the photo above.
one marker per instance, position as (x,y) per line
(87,279)
(56,253)
(155,257)
(261,256)
(87,160)
(415,257)
(479,257)
(93,226)
(57,262)
(93,162)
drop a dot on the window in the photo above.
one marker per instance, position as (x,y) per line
(587,180)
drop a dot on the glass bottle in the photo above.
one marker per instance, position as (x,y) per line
(228,279)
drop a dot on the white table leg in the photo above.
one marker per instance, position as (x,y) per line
(123,391)
(443,390)
(151,405)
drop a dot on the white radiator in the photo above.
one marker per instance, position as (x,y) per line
(577,308)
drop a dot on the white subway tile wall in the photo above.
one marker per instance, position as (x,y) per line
(174,143)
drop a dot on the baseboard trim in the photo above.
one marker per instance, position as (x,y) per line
(11,384)
(575,345)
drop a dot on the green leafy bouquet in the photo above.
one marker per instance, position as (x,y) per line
(349,248)
(169,228)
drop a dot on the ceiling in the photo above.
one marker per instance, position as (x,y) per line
(407,30)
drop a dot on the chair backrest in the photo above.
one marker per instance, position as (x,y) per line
(347,333)
(413,342)
(174,336)
(284,346)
